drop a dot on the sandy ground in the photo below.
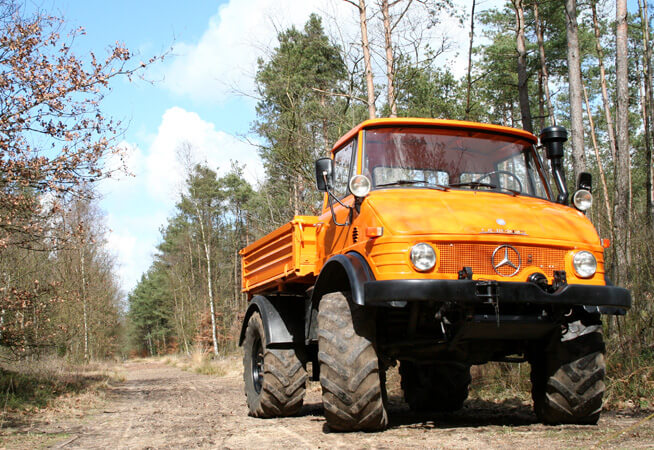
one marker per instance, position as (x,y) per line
(160,406)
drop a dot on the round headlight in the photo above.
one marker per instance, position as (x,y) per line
(359,185)
(423,256)
(582,199)
(585,264)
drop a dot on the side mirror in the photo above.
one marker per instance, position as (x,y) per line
(585,181)
(324,173)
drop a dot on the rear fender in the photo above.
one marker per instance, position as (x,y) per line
(282,318)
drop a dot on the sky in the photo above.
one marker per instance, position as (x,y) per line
(202,94)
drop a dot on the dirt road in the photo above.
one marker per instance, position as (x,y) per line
(159,406)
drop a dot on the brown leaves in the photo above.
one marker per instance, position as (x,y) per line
(53,135)
(54,138)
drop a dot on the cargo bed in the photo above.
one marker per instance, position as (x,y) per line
(283,260)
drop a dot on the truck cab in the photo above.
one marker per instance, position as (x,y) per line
(441,244)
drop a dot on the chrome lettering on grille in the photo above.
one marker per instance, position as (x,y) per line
(502,231)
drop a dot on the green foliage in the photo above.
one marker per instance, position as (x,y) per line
(300,113)
(150,312)
(427,91)
(169,307)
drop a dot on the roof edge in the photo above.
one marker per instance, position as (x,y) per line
(434,122)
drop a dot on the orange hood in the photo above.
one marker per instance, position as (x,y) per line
(473,212)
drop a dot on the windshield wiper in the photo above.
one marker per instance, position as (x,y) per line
(474,184)
(477,184)
(439,187)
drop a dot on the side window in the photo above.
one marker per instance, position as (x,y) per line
(342,163)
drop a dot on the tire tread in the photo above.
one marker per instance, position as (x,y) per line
(284,378)
(568,382)
(349,367)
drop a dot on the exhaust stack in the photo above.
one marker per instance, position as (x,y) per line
(552,139)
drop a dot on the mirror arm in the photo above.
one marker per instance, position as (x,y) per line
(331,196)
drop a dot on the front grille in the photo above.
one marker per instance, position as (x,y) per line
(453,257)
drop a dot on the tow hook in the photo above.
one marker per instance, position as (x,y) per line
(490,290)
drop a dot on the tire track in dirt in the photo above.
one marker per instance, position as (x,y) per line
(159,406)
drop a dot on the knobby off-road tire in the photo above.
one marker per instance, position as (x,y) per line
(441,387)
(275,379)
(567,381)
(352,388)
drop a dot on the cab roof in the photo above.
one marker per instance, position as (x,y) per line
(372,123)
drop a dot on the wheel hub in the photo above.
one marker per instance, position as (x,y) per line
(257,365)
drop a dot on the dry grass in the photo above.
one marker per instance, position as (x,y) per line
(203,362)
(500,382)
(51,385)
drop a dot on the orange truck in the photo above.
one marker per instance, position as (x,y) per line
(441,244)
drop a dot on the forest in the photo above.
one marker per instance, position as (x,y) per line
(583,64)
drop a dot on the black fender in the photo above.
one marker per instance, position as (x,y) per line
(610,310)
(348,272)
(282,317)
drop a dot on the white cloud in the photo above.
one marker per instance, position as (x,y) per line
(227,52)
(164,166)
(125,168)
(133,240)
(223,61)
(129,265)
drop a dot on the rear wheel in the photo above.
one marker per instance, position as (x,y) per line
(275,379)
(439,387)
(352,385)
(568,379)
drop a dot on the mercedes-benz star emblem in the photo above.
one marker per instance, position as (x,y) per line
(509,257)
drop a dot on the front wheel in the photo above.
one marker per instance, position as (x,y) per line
(568,380)
(352,383)
(275,379)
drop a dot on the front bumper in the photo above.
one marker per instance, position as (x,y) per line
(398,292)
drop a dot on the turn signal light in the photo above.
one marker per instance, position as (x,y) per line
(373,232)
(606,243)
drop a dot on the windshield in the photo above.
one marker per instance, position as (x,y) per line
(441,158)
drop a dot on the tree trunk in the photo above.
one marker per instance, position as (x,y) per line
(622,160)
(523,87)
(543,65)
(207,253)
(605,95)
(649,104)
(605,188)
(390,70)
(574,75)
(84,306)
(541,101)
(469,74)
(365,44)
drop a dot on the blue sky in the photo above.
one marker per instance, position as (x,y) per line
(201,94)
